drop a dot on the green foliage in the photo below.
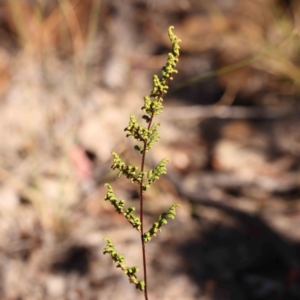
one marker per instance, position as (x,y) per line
(120,260)
(119,206)
(160,86)
(142,134)
(170,214)
(154,174)
(161,168)
(151,108)
(133,220)
(147,136)
(129,171)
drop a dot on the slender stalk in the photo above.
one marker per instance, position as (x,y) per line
(142,224)
(142,213)
(142,202)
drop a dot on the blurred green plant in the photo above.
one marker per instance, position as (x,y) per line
(147,136)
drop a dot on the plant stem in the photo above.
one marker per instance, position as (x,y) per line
(159,97)
(142,224)
(142,210)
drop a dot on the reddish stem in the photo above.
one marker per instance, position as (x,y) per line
(142,200)
(142,224)
(158,98)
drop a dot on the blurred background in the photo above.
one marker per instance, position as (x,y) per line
(71,73)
